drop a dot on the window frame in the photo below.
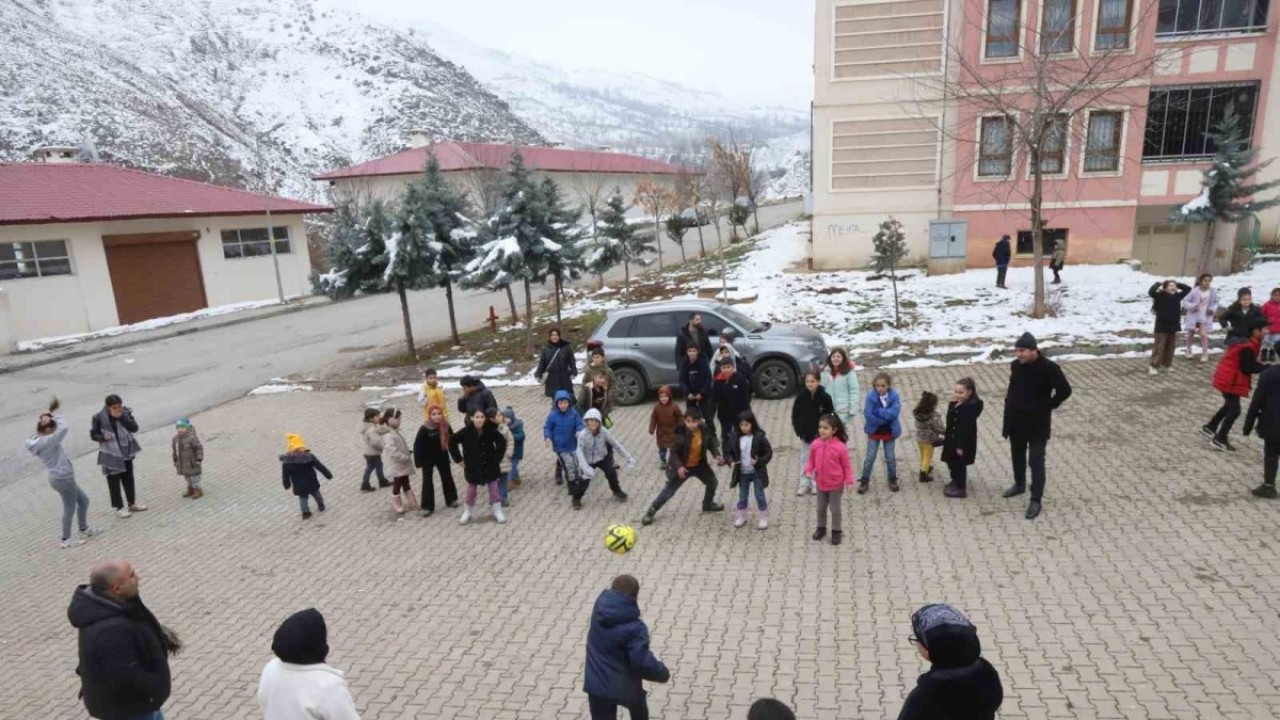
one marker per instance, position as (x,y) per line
(1012,153)
(1070,35)
(1019,24)
(1120,132)
(1198,31)
(35,259)
(240,242)
(1186,109)
(1065,152)
(1099,30)
(1045,239)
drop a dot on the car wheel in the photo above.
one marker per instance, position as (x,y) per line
(775,379)
(631,386)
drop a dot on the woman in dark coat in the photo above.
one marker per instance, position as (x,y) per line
(960,685)
(480,448)
(960,441)
(557,365)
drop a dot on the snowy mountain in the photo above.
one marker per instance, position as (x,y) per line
(184,86)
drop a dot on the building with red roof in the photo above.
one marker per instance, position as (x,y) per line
(89,246)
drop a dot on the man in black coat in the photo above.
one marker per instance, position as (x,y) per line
(1037,387)
(475,396)
(1264,416)
(693,334)
(1002,254)
(124,650)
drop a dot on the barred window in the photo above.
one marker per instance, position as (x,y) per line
(252,242)
(995,148)
(1102,145)
(1186,17)
(1179,118)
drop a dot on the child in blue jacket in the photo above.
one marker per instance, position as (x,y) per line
(618,656)
(516,426)
(560,432)
(882,427)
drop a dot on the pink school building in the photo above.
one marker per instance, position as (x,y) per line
(891,134)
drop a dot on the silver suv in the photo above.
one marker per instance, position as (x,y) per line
(640,345)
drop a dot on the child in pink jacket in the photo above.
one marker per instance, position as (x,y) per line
(829,467)
(1271,311)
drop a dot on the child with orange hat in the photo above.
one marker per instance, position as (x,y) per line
(298,468)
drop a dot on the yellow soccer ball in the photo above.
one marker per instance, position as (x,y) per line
(620,539)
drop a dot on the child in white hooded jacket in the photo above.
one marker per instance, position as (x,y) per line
(297,684)
(596,446)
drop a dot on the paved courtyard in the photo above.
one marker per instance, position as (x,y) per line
(1148,588)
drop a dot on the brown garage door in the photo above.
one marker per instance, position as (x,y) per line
(154,275)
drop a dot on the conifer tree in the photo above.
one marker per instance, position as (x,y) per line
(625,243)
(890,248)
(435,212)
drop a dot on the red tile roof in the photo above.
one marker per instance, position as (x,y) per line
(39,193)
(469,156)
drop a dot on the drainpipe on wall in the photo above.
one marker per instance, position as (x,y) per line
(942,130)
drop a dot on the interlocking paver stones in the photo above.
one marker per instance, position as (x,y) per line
(1145,590)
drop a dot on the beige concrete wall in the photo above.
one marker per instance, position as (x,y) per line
(84,301)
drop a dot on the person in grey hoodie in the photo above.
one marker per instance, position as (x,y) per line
(596,446)
(46,444)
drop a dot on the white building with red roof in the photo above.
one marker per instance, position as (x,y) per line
(84,247)
(475,168)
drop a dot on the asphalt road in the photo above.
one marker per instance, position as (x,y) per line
(171,378)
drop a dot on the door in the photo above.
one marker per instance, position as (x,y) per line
(154,275)
(1164,249)
(653,340)
(947,239)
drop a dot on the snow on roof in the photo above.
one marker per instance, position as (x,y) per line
(455,156)
(38,193)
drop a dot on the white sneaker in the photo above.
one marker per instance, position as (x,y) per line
(1152,371)
(90,532)
(1204,357)
(813,489)
(71,542)
(498,515)
(800,491)
(137,507)
(466,516)
(124,513)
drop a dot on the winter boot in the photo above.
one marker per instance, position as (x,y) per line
(740,518)
(837,536)
(764,520)
(1265,491)
(893,484)
(190,490)
(648,516)
(820,533)
(466,515)
(384,484)
(926,476)
(197,493)
(411,501)
(397,504)
(498,515)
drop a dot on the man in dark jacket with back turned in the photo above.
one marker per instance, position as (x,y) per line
(618,654)
(1002,254)
(124,651)
(1264,416)
(1037,387)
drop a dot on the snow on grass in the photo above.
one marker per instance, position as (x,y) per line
(273,389)
(154,324)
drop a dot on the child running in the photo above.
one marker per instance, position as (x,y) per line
(560,432)
(480,447)
(596,446)
(748,452)
(298,468)
(832,472)
(431,453)
(399,464)
(882,428)
(810,405)
(371,433)
(663,421)
(929,432)
(188,457)
(1233,378)
(960,448)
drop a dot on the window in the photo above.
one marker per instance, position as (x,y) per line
(1183,17)
(995,148)
(1179,118)
(661,325)
(43,258)
(1002,28)
(713,325)
(1053,153)
(1058,26)
(1102,146)
(1047,239)
(252,242)
(1114,17)
(622,328)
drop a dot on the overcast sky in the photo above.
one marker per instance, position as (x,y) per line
(758,50)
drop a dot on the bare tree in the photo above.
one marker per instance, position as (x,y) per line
(734,163)
(655,199)
(709,189)
(591,190)
(688,196)
(1029,103)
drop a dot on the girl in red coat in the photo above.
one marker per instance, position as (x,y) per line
(1233,379)
(829,466)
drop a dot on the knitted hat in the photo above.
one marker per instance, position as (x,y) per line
(184,424)
(1026,342)
(594,414)
(302,639)
(294,443)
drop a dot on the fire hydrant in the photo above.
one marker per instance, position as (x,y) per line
(493,319)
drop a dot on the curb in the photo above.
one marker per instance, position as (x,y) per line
(86,351)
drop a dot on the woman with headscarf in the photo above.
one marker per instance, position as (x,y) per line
(960,685)
(297,684)
(556,365)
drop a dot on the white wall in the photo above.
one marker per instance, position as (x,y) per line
(84,301)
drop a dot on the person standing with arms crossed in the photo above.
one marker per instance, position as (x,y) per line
(1037,387)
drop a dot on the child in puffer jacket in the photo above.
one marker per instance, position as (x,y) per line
(596,446)
(560,432)
(399,464)
(371,434)
(298,468)
(832,472)
(882,428)
(188,458)
(929,432)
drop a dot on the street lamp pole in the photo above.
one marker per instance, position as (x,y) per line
(271,235)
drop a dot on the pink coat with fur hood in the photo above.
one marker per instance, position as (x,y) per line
(829,465)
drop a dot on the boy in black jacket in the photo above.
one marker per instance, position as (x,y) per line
(695,382)
(690,456)
(731,395)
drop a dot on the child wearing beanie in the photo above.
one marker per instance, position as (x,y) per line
(297,683)
(298,468)
(188,457)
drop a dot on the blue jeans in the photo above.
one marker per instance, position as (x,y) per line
(503,481)
(873,447)
(745,481)
(302,501)
(74,502)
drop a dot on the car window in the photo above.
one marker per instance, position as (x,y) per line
(737,318)
(655,325)
(712,324)
(622,328)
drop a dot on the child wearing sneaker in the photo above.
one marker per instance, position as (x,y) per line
(929,432)
(516,426)
(480,447)
(188,457)
(810,404)
(371,434)
(298,468)
(882,428)
(748,452)
(960,448)
(560,432)
(399,464)
(596,446)
(829,466)
(46,444)
(663,421)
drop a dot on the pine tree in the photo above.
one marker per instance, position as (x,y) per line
(739,214)
(890,249)
(432,208)
(624,243)
(1228,193)
(562,230)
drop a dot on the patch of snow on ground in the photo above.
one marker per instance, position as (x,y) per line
(279,389)
(154,324)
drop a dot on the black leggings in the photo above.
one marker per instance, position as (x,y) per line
(1225,417)
(121,480)
(441,463)
(959,473)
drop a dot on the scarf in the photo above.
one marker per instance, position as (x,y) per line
(442,427)
(114,453)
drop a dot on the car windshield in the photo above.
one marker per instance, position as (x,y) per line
(741,320)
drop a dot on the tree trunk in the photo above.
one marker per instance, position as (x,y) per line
(755,213)
(683,257)
(453,320)
(702,247)
(511,300)
(897,318)
(1206,251)
(599,281)
(528,317)
(715,220)
(657,235)
(1037,233)
(404,312)
(559,291)
(626,282)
